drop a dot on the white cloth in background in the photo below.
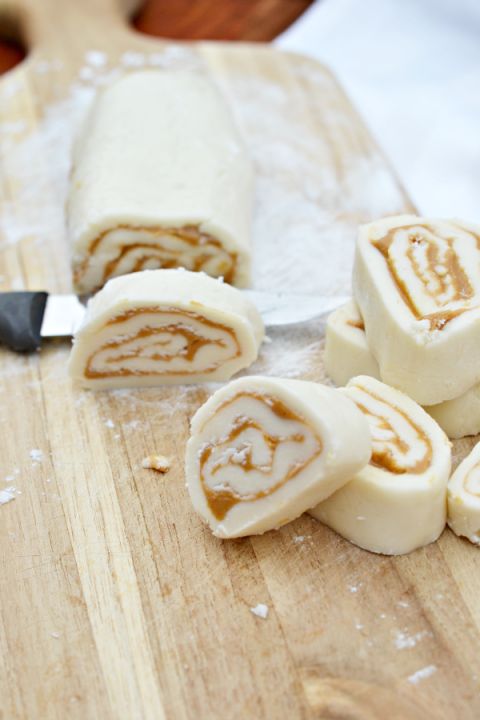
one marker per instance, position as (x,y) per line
(412,68)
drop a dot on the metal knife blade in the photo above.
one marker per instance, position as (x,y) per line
(64,313)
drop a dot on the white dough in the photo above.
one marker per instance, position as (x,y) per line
(165,327)
(398,502)
(160,178)
(263,450)
(464,498)
(417,284)
(346,350)
(461,416)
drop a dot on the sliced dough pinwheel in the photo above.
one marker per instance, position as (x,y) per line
(464,498)
(165,327)
(397,503)
(263,450)
(346,349)
(347,354)
(460,416)
(160,178)
(417,284)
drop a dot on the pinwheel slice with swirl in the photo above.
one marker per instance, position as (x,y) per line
(264,450)
(464,498)
(165,327)
(417,284)
(398,502)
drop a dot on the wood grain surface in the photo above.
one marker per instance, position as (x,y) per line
(116,602)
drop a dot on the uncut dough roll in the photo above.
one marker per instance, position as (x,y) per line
(464,498)
(160,178)
(417,284)
(263,450)
(164,327)
(397,503)
(346,349)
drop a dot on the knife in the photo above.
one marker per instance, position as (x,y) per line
(26,318)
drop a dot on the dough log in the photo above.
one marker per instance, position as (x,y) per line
(464,498)
(165,327)
(417,284)
(160,178)
(264,450)
(398,502)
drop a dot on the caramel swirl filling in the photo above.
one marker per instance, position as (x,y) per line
(125,249)
(400,445)
(161,341)
(435,271)
(471,481)
(265,444)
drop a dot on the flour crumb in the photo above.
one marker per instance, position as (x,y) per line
(109,423)
(133,59)
(299,538)
(354,588)
(7,495)
(421,674)
(36,455)
(403,604)
(156,462)
(260,610)
(403,640)
(97,58)
(55,635)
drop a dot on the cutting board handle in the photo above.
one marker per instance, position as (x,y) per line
(36,22)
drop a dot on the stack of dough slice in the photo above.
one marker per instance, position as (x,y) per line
(417,284)
(165,327)
(264,450)
(398,502)
(464,498)
(347,354)
(160,178)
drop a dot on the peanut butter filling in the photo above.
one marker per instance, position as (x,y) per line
(439,276)
(193,343)
(383,455)
(221,501)
(356,324)
(189,236)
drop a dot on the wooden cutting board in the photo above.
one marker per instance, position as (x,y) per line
(116,602)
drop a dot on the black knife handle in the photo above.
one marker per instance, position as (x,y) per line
(21,315)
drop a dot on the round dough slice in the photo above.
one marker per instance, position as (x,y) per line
(398,502)
(464,498)
(160,179)
(461,416)
(346,349)
(417,284)
(165,327)
(264,450)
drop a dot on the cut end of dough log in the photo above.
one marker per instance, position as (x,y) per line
(165,327)
(264,450)
(160,179)
(398,502)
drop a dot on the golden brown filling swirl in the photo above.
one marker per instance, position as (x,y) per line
(220,501)
(431,261)
(400,445)
(159,247)
(126,346)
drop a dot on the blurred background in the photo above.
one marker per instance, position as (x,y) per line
(412,68)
